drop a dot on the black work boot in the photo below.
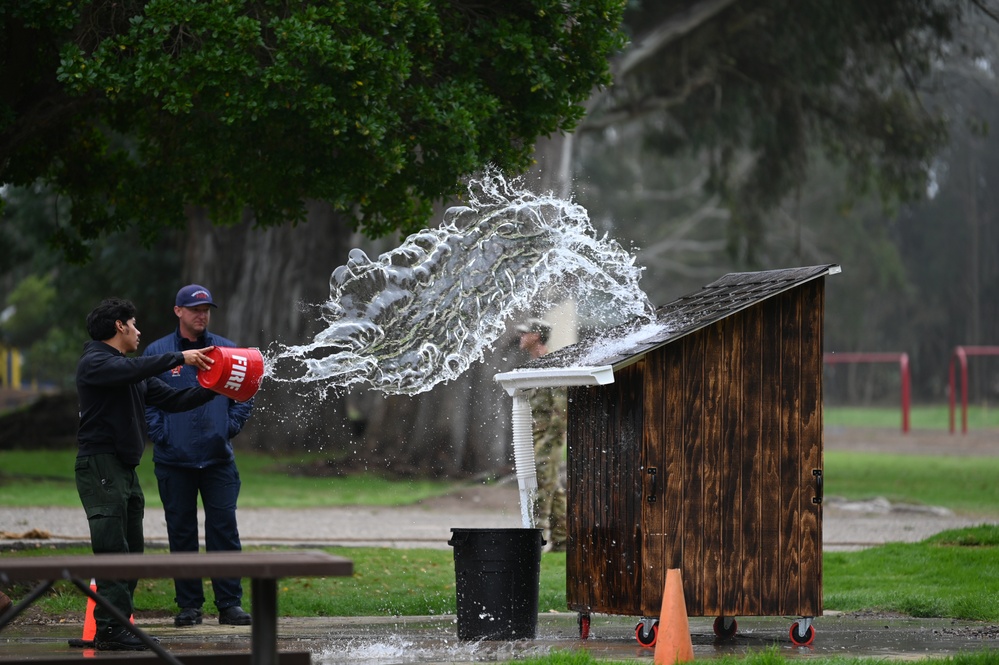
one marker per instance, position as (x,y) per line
(189,616)
(118,638)
(235,616)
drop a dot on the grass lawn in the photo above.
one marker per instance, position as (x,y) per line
(953,574)
(45,478)
(964,484)
(921,417)
(769,656)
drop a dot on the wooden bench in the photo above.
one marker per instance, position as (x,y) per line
(262,568)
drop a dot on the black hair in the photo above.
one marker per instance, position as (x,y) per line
(100,322)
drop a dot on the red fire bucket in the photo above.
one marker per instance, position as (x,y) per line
(236,372)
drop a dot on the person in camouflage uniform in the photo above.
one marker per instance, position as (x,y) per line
(548,409)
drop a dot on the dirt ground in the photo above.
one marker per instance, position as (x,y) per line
(979,443)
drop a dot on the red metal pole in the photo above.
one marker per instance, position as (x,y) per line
(963,357)
(904,372)
(951,390)
(880,357)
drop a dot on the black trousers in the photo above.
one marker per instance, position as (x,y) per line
(114,503)
(218,485)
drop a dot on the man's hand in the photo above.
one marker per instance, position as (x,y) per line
(198,357)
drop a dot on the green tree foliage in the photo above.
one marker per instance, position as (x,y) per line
(133,109)
(50,299)
(30,301)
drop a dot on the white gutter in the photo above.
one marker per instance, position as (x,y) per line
(517,383)
(526,379)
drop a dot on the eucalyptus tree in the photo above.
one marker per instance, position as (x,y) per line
(753,89)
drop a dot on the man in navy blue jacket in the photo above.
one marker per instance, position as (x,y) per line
(114,390)
(193,455)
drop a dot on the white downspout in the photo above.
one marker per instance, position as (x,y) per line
(517,383)
(523,456)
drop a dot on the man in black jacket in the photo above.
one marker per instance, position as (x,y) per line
(113,391)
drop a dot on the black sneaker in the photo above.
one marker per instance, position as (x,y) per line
(119,638)
(189,616)
(235,616)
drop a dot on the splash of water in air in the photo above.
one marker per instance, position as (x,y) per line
(422,313)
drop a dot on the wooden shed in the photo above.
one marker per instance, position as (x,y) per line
(705,454)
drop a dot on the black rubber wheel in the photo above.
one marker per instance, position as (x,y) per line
(801,640)
(584,626)
(721,632)
(647,639)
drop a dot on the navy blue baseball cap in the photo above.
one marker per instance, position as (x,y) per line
(194,295)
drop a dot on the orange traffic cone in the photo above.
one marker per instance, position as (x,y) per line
(89,624)
(673,643)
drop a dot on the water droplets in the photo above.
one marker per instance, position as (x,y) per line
(422,313)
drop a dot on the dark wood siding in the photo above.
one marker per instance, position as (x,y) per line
(604,494)
(729,418)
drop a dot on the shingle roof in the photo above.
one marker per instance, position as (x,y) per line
(722,298)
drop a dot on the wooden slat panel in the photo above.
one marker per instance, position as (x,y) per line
(625,505)
(791,454)
(597,465)
(582,494)
(810,424)
(692,533)
(712,464)
(603,573)
(751,469)
(653,555)
(732,510)
(674,480)
(771,569)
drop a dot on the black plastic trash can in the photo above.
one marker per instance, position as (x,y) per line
(496,582)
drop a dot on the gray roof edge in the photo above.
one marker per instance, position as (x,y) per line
(795,277)
(820,271)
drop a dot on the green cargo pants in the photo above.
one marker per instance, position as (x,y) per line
(114,503)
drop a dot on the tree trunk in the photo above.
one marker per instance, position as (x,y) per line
(457,429)
(269,284)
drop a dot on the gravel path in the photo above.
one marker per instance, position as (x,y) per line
(845,525)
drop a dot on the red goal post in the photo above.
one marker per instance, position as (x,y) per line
(960,357)
(833,358)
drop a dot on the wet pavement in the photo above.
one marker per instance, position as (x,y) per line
(402,640)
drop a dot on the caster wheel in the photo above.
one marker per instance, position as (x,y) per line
(725,627)
(799,639)
(584,626)
(647,638)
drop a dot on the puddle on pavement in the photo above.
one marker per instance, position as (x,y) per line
(613,638)
(408,640)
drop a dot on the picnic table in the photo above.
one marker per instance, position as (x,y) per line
(262,568)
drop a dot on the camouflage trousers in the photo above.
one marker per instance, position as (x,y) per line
(549,505)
